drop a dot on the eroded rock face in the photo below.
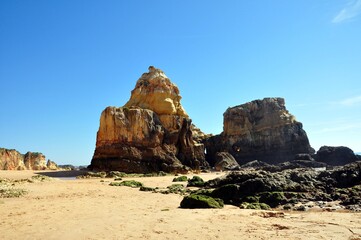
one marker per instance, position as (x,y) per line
(260,130)
(150,133)
(35,161)
(51,165)
(11,159)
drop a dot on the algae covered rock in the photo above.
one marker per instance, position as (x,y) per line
(127,183)
(147,189)
(180,179)
(256,206)
(196,181)
(175,188)
(273,199)
(201,201)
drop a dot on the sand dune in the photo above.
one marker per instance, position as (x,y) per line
(91,209)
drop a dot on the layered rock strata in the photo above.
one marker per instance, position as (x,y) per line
(260,130)
(11,159)
(150,133)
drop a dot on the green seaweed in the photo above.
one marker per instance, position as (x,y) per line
(127,183)
(180,179)
(273,199)
(201,201)
(147,189)
(257,206)
(196,181)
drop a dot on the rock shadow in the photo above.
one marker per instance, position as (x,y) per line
(63,174)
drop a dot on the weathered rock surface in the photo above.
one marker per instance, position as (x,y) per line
(225,161)
(11,159)
(260,130)
(150,133)
(336,156)
(155,91)
(51,165)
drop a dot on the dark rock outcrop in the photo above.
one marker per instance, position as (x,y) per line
(262,130)
(336,156)
(290,186)
(151,133)
(255,164)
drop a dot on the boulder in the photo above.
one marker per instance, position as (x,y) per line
(225,161)
(336,156)
(150,133)
(201,201)
(262,130)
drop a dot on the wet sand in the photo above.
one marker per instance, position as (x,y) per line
(91,209)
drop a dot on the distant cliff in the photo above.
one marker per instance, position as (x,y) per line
(10,159)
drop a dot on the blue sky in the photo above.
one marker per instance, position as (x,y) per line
(63,62)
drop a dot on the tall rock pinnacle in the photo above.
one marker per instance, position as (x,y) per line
(150,133)
(156,92)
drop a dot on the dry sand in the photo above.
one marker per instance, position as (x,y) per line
(91,209)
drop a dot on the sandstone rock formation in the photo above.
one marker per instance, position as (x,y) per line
(11,159)
(150,133)
(52,165)
(260,130)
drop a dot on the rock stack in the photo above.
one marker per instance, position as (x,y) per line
(150,133)
(260,130)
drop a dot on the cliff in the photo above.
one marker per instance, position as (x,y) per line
(11,159)
(260,130)
(150,133)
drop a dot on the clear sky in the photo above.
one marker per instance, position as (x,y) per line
(63,62)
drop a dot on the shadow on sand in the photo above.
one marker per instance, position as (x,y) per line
(63,174)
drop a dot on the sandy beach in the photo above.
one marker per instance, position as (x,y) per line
(91,209)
